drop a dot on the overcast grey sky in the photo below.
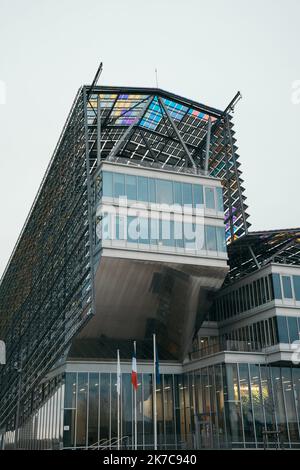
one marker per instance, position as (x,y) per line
(203,50)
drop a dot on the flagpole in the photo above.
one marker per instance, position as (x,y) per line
(154,392)
(119,393)
(135,413)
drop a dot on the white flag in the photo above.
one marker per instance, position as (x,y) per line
(118,373)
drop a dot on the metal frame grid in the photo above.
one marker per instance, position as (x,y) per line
(142,125)
(45,292)
(257,249)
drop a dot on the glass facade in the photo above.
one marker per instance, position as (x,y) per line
(90,410)
(160,191)
(162,232)
(243,298)
(220,406)
(255,294)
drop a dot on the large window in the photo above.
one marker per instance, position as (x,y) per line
(277,286)
(282,330)
(287,287)
(161,191)
(108,184)
(296,281)
(131,187)
(198,195)
(119,185)
(164,192)
(187,194)
(210,238)
(143,188)
(293,329)
(166,232)
(245,297)
(210,198)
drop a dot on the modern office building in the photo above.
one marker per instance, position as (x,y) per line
(140,226)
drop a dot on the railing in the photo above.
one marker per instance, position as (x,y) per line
(113,443)
(160,166)
(227,345)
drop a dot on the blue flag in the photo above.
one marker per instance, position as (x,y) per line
(157,373)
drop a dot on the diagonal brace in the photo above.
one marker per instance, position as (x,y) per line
(175,129)
(128,131)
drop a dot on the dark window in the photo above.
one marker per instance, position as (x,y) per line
(296,280)
(271,287)
(237,297)
(259,291)
(82,392)
(70,390)
(287,287)
(248,299)
(267,333)
(282,331)
(276,286)
(272,330)
(263,290)
(93,408)
(293,328)
(268,298)
(255,294)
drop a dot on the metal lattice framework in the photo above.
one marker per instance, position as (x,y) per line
(47,290)
(257,249)
(154,127)
(45,294)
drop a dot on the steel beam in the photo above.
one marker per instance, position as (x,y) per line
(186,150)
(125,136)
(98,130)
(207,146)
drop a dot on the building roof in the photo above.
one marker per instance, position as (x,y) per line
(156,127)
(257,249)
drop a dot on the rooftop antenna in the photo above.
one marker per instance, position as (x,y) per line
(233,103)
(156,78)
(96,78)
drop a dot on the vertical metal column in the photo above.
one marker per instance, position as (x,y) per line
(98,130)
(207,146)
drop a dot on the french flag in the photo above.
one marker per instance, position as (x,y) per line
(134,377)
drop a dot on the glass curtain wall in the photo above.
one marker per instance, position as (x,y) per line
(221,406)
